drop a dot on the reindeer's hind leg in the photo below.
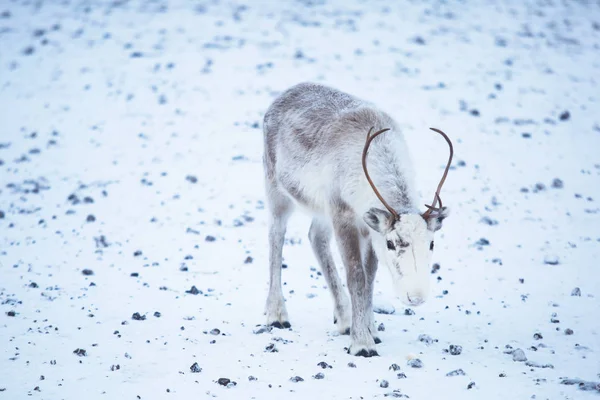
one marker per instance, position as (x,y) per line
(320,239)
(280,207)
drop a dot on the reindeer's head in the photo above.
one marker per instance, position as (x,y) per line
(404,242)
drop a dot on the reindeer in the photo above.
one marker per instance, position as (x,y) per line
(314,141)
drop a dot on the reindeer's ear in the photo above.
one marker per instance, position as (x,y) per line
(379,220)
(434,220)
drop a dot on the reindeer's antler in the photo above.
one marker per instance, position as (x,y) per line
(364,163)
(437,197)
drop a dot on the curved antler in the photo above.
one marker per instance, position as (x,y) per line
(437,197)
(364,164)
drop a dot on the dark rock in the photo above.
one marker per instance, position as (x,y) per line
(351,365)
(557,183)
(191,179)
(565,115)
(569,331)
(2,215)
(87,272)
(576,292)
(157,314)
(384,384)
(483,242)
(409,311)
(252,378)
(270,348)
(526,135)
(537,336)
(215,332)
(425,339)
(319,375)
(296,379)
(224,381)
(248,260)
(324,365)
(456,372)
(435,268)
(80,352)
(11,313)
(455,349)
(381,327)
(194,290)
(210,238)
(137,253)
(394,367)
(471,385)
(195,368)
(534,364)
(90,218)
(474,112)
(415,363)
(581,384)
(138,317)
(401,375)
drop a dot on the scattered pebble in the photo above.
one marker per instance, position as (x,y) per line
(87,272)
(195,368)
(455,349)
(194,290)
(324,365)
(394,367)
(415,363)
(296,379)
(384,384)
(576,292)
(569,331)
(456,372)
(381,327)
(319,375)
(138,317)
(471,385)
(80,352)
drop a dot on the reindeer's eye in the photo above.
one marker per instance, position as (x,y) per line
(431,246)
(390,245)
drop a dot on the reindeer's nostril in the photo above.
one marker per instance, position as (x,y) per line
(415,300)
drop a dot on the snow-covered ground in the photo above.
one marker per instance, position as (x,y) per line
(130,172)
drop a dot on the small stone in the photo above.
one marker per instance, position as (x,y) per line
(565,115)
(87,272)
(519,355)
(11,313)
(351,365)
(455,349)
(324,365)
(502,375)
(456,372)
(409,311)
(157,314)
(415,363)
(210,238)
(296,379)
(215,332)
(425,339)
(248,260)
(381,327)
(537,336)
(435,268)
(319,375)
(551,260)
(557,183)
(384,384)
(270,348)
(90,218)
(576,292)
(539,187)
(137,253)
(252,378)
(80,352)
(224,381)
(191,179)
(394,367)
(194,290)
(471,385)
(401,375)
(138,317)
(195,368)
(534,364)
(483,242)
(569,331)
(488,221)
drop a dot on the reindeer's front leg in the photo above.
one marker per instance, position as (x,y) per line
(358,281)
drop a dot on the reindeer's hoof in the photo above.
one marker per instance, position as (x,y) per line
(281,325)
(346,332)
(367,353)
(377,340)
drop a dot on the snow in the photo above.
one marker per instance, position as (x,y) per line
(126,102)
